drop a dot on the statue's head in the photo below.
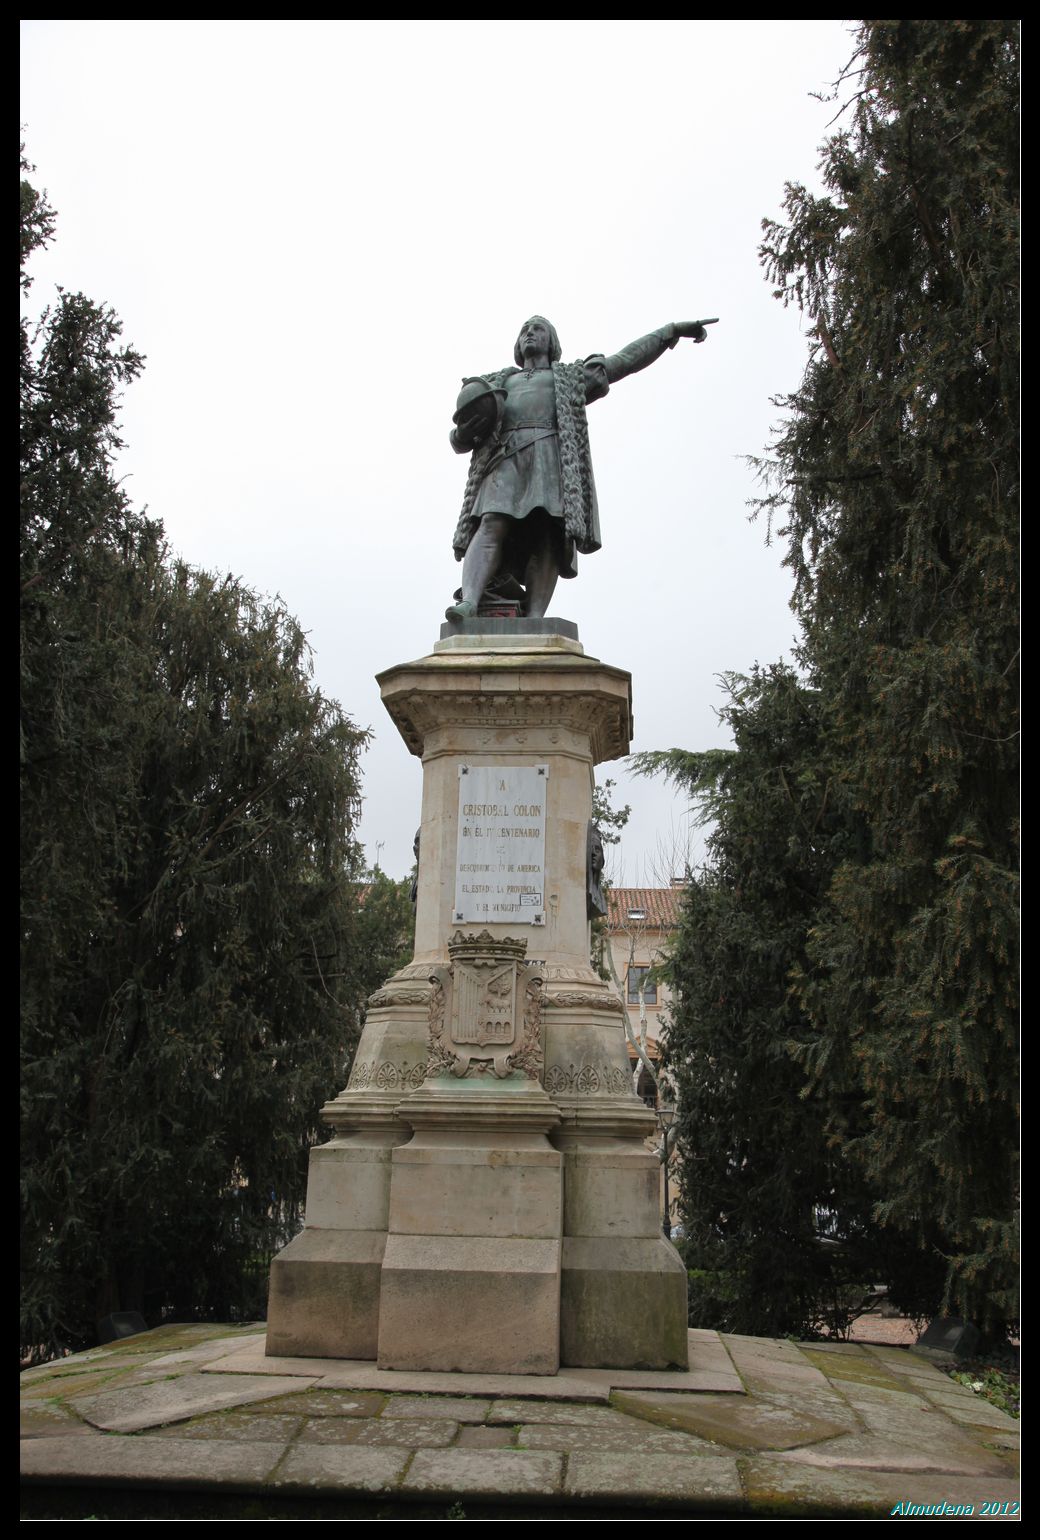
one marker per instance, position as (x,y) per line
(595,861)
(554,350)
(596,853)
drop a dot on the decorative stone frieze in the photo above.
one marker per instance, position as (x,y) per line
(587,1080)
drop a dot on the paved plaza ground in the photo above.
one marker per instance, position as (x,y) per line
(195,1422)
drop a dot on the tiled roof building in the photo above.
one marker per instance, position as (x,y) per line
(640,923)
(655,908)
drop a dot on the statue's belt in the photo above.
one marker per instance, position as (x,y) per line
(540,431)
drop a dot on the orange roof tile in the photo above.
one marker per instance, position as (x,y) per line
(645,908)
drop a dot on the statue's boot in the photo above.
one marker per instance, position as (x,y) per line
(463,609)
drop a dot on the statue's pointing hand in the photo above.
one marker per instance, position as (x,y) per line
(694,329)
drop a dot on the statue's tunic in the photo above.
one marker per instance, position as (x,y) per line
(519,472)
(538,460)
(526,475)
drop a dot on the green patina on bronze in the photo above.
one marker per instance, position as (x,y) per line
(530,501)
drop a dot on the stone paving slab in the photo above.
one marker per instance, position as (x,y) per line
(170,1463)
(981,1414)
(77,1362)
(491,1474)
(919,1373)
(762,1370)
(779,1347)
(148,1406)
(1000,1438)
(899,1359)
(725,1381)
(114,1377)
(821,1401)
(847,1349)
(873,1451)
(568,1385)
(381,1432)
(362,1374)
(67,1385)
(568,1413)
(51,1421)
(461,1409)
(708,1351)
(656,1480)
(711,1370)
(252,1359)
(323,1402)
(783,1488)
(956,1398)
(635,1438)
(236,1427)
(799,1381)
(133,1369)
(841,1432)
(146,1350)
(858,1369)
(206,1351)
(318,1469)
(916,1422)
(937,1384)
(179,1336)
(716,1363)
(486,1438)
(765,1423)
(875,1398)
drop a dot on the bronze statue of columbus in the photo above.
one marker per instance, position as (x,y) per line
(530,501)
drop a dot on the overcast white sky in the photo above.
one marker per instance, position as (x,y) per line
(314,229)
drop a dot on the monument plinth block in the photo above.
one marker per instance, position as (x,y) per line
(622,1304)
(467,1304)
(324,1295)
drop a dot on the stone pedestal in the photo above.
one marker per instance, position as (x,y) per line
(471,1275)
(488,1202)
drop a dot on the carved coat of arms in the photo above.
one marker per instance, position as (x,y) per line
(485,1012)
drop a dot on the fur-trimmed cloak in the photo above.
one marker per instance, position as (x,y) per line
(573,385)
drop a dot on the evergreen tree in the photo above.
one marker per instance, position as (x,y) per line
(190,968)
(778,1232)
(385,932)
(897,477)
(610,821)
(868,974)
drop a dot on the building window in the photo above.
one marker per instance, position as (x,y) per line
(635,978)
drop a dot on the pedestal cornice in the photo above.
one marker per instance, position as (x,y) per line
(503,693)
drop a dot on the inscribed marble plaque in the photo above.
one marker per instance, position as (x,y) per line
(500,866)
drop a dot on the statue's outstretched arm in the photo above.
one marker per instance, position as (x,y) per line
(649,349)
